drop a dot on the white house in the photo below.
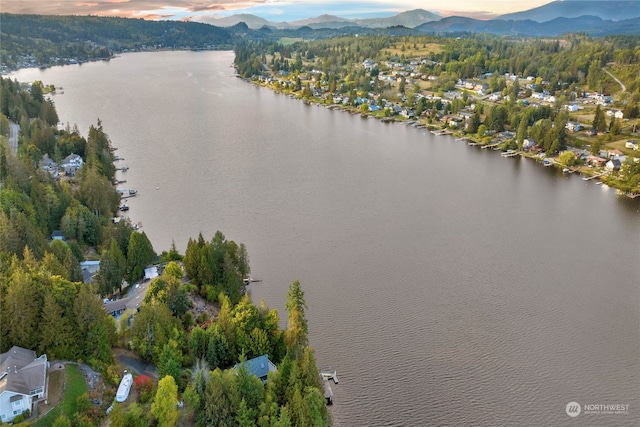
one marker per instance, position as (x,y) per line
(613,165)
(571,107)
(23,381)
(72,160)
(618,114)
(631,144)
(71,164)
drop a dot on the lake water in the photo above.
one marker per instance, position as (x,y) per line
(446,284)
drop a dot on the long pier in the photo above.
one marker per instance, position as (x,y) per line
(589,178)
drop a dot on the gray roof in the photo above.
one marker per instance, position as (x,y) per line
(116,306)
(21,371)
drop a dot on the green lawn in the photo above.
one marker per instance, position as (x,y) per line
(75,386)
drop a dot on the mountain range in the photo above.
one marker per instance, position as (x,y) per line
(409,19)
(533,21)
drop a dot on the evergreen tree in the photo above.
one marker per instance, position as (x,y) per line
(297,329)
(599,120)
(139,254)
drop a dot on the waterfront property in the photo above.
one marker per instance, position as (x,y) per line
(259,366)
(23,382)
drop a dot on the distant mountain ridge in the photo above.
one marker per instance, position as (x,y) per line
(592,25)
(612,10)
(409,19)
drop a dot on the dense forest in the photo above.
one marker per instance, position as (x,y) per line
(53,40)
(199,353)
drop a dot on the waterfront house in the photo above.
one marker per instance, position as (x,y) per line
(596,161)
(23,382)
(49,165)
(259,366)
(612,154)
(71,164)
(613,165)
(528,144)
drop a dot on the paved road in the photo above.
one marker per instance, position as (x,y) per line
(14,130)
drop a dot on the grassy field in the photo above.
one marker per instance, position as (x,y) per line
(412,50)
(75,387)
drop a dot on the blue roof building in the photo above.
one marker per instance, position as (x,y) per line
(259,366)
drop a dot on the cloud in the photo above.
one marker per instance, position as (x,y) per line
(138,8)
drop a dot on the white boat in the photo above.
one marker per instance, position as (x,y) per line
(124,387)
(133,192)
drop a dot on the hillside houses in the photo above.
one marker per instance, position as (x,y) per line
(69,165)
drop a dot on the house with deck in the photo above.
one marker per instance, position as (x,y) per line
(23,382)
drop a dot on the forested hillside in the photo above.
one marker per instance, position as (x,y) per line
(54,40)
(195,322)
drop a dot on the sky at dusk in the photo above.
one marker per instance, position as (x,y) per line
(272,10)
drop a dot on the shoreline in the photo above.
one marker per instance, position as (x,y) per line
(586,172)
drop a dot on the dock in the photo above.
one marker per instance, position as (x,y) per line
(326,375)
(510,153)
(441,132)
(329,375)
(491,145)
(589,178)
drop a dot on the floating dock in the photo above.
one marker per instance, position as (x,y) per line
(510,153)
(329,375)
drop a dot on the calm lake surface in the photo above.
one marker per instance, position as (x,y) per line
(446,284)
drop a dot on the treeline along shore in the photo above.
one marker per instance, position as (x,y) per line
(195,322)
